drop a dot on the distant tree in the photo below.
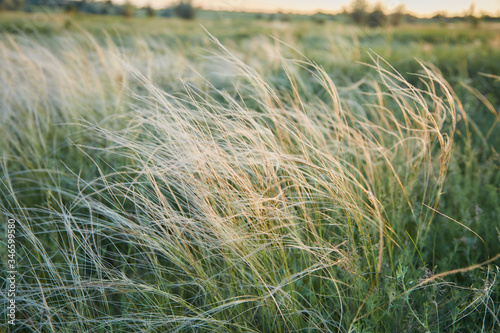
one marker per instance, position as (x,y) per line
(377,17)
(475,21)
(166,12)
(358,11)
(488,18)
(108,8)
(441,18)
(471,17)
(271,17)
(150,12)
(185,10)
(259,16)
(90,7)
(128,10)
(397,15)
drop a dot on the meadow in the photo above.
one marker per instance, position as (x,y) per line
(243,175)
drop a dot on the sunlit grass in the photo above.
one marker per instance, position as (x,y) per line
(237,186)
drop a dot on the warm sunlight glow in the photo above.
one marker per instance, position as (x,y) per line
(420,7)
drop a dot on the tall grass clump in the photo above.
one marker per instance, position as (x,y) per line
(257,207)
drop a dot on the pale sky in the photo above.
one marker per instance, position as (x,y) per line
(422,7)
(417,6)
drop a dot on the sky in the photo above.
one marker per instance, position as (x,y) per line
(419,7)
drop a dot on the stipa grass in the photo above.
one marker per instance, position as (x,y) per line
(255,209)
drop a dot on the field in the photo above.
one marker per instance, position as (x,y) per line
(237,175)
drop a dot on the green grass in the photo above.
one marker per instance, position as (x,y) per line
(164,179)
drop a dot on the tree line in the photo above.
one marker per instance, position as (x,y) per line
(183,9)
(359,12)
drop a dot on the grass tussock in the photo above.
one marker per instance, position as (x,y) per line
(232,201)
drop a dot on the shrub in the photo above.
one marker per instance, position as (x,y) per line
(128,10)
(318,18)
(184,10)
(397,16)
(167,12)
(150,12)
(358,12)
(285,18)
(376,18)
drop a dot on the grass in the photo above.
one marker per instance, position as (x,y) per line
(166,179)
